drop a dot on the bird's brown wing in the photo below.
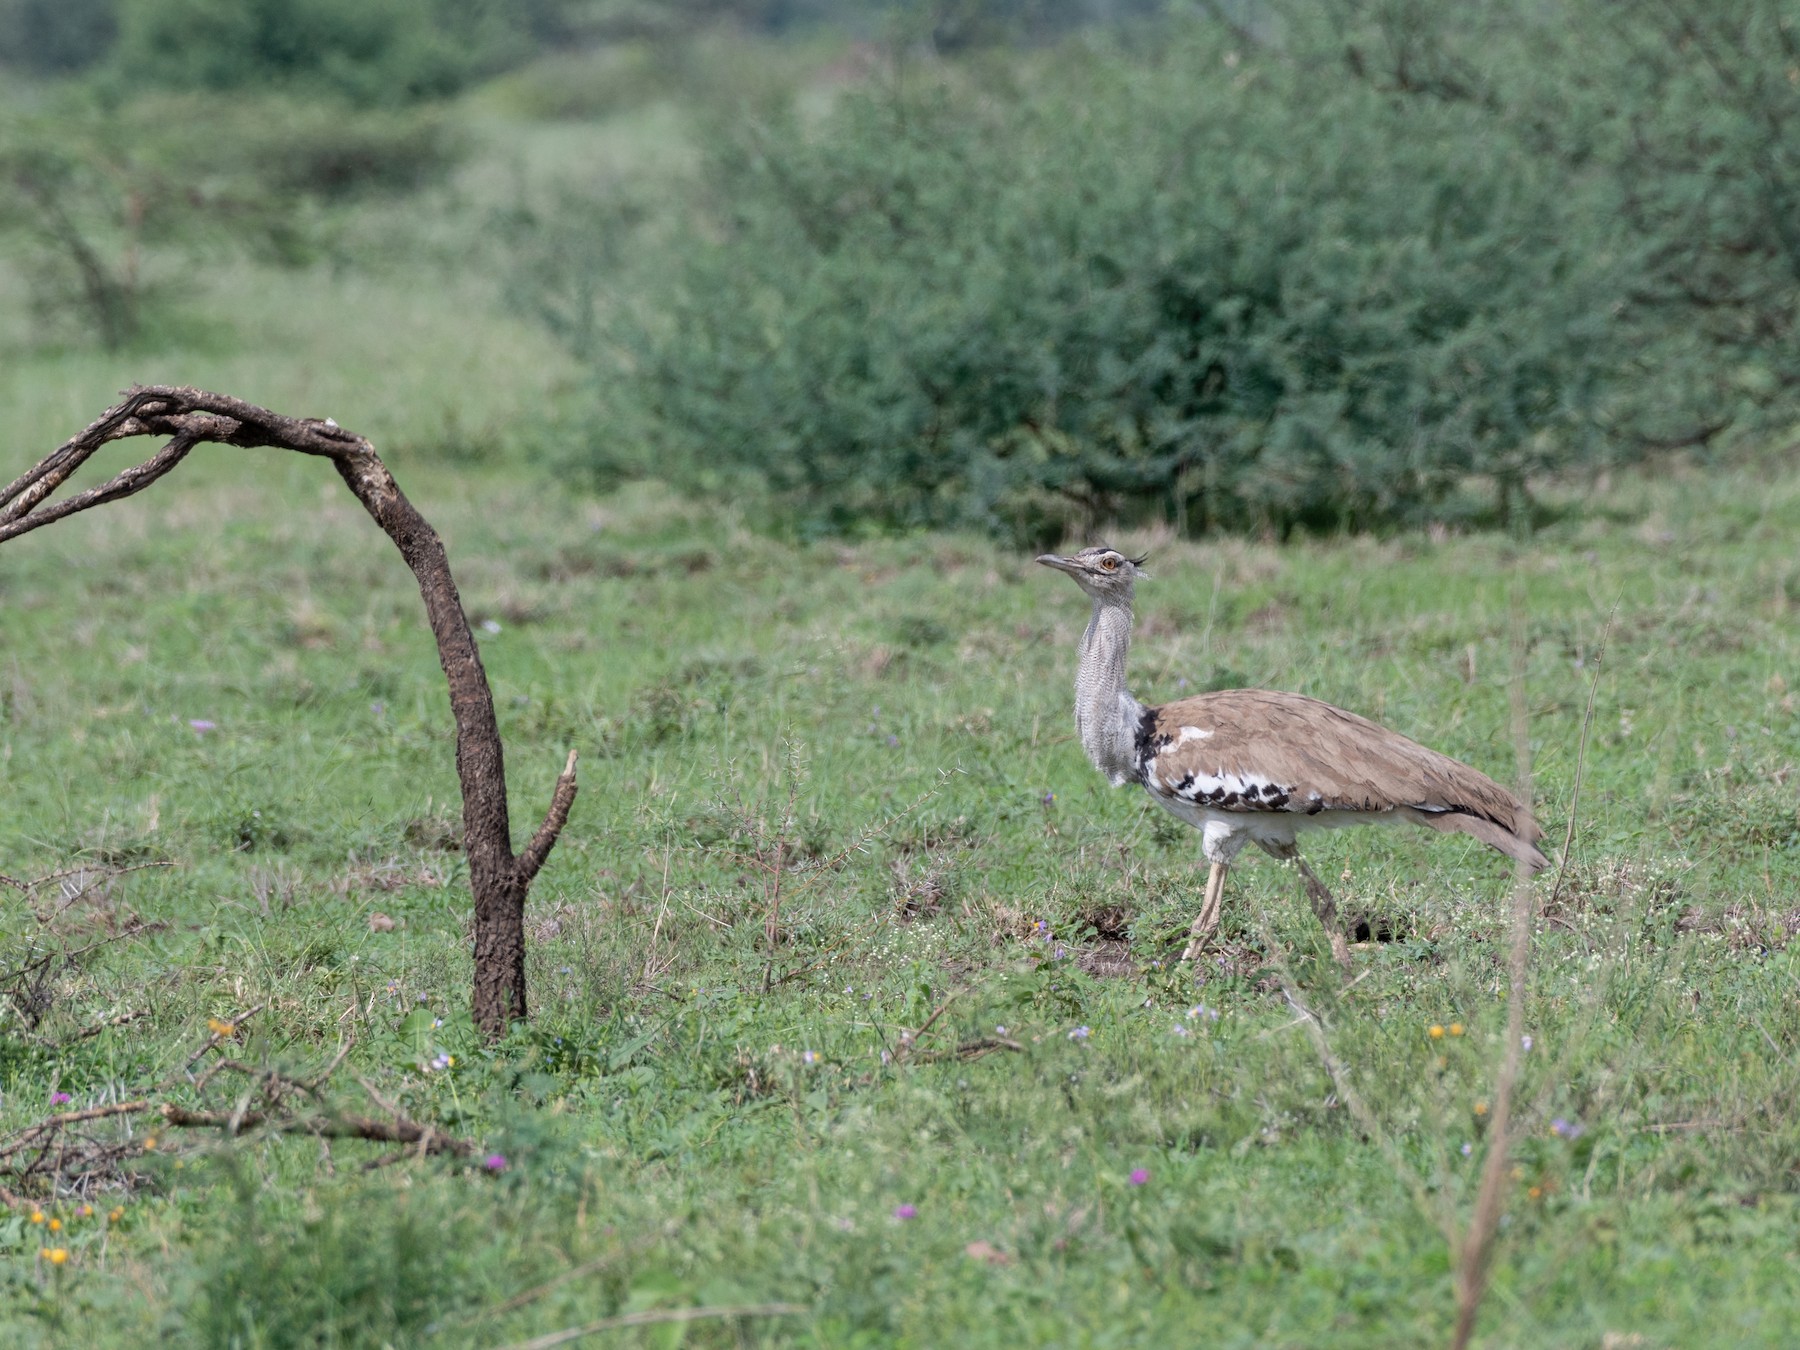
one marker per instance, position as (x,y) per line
(1258,750)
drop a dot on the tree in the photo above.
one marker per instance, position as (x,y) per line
(499,878)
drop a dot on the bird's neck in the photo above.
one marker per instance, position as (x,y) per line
(1106,716)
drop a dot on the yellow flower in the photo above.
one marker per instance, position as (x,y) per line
(85,1212)
(221,1028)
(1536,1192)
(1456,1028)
(1435,1032)
(56,1225)
(37,1216)
(57,1255)
(1481,1108)
(114,1215)
(150,1144)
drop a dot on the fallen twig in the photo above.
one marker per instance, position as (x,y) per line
(427,1138)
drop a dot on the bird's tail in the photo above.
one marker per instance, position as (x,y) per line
(1518,843)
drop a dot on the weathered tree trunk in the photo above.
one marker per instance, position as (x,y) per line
(499,879)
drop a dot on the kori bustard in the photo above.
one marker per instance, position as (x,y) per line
(1255,766)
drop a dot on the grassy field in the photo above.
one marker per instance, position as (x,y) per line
(229,675)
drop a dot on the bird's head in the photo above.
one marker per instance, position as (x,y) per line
(1104,573)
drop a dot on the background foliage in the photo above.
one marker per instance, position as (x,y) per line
(1324,268)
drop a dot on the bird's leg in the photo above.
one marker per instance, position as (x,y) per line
(1208,922)
(1326,908)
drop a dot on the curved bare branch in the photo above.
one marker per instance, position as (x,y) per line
(498,878)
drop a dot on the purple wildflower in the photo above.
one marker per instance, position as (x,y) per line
(1081,1033)
(202,725)
(1467,1149)
(1566,1129)
(60,1099)
(1525,1042)
(494,1162)
(1139,1175)
(905,1212)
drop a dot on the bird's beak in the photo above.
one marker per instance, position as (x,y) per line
(1059,563)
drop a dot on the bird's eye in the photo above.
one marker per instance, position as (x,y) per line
(1110,564)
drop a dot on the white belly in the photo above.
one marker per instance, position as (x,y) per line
(1226,832)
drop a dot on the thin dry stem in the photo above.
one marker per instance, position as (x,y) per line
(1587,726)
(1473,1254)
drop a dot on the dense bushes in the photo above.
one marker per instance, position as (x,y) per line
(1187,281)
(1324,275)
(371,51)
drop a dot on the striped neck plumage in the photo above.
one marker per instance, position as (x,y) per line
(1106,716)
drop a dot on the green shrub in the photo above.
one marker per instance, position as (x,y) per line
(56,37)
(1335,267)
(369,51)
(292,148)
(1183,281)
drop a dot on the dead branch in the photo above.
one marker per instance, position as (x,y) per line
(427,1138)
(88,1033)
(975,1049)
(31,1134)
(499,879)
(63,1153)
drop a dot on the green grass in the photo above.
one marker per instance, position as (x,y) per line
(910,696)
(896,715)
